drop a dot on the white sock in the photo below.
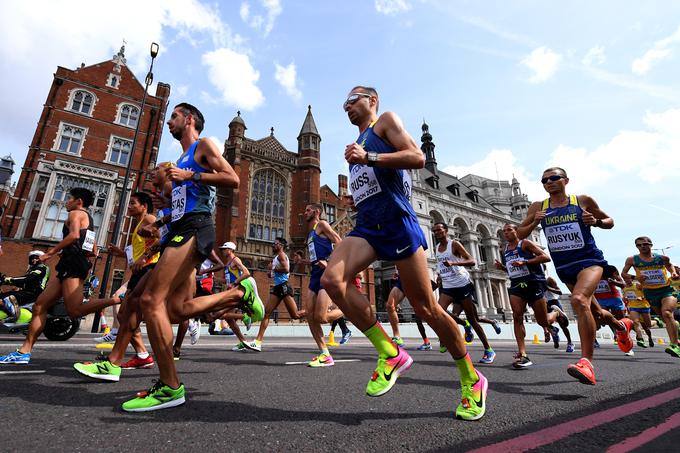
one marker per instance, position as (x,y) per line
(143,355)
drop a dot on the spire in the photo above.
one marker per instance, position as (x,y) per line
(309,139)
(428,149)
(119,58)
(309,126)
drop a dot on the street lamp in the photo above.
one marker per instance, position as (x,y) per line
(123,193)
(663,249)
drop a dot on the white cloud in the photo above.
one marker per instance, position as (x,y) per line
(260,22)
(595,55)
(661,50)
(234,77)
(287,78)
(391,7)
(543,62)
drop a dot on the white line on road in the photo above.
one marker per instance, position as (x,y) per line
(340,360)
(27,372)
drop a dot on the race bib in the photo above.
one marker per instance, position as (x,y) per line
(602,287)
(516,271)
(179,201)
(630,295)
(447,271)
(564,237)
(130,257)
(312,251)
(363,183)
(88,243)
(164,229)
(407,184)
(654,276)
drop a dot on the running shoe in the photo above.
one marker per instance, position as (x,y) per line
(253,305)
(176,354)
(399,342)
(345,337)
(194,330)
(562,318)
(425,347)
(596,344)
(673,350)
(521,361)
(496,327)
(443,349)
(108,338)
(241,346)
(555,334)
(546,336)
(651,343)
(583,371)
(10,306)
(160,396)
(473,399)
(623,336)
(570,347)
(253,345)
(16,357)
(488,357)
(322,360)
(386,373)
(469,336)
(105,371)
(630,353)
(137,363)
(247,321)
(641,343)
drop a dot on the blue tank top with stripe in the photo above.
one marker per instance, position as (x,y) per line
(189,197)
(518,274)
(319,247)
(380,194)
(569,239)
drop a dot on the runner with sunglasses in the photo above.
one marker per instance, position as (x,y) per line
(566,221)
(652,272)
(387,229)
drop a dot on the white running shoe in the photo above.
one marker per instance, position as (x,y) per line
(194,330)
(108,338)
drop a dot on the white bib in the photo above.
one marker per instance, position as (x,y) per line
(179,201)
(407,184)
(312,251)
(129,256)
(516,271)
(363,183)
(602,287)
(630,295)
(88,243)
(164,229)
(654,276)
(563,237)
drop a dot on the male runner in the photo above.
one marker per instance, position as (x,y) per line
(653,272)
(456,286)
(280,292)
(566,221)
(395,298)
(638,311)
(387,229)
(27,287)
(77,245)
(552,293)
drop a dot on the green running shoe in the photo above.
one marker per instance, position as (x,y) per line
(253,304)
(399,342)
(443,349)
(473,400)
(386,373)
(673,350)
(160,396)
(322,360)
(106,371)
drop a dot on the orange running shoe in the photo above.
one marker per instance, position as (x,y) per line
(583,371)
(623,336)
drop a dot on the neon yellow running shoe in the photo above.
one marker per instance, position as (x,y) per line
(386,373)
(322,360)
(253,304)
(473,400)
(160,396)
(105,370)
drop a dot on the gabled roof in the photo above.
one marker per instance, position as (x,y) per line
(272,144)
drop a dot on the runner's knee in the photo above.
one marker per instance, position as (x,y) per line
(580,302)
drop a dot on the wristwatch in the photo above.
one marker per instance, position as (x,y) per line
(598,223)
(196,177)
(372,158)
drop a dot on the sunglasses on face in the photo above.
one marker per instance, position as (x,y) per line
(352,98)
(551,178)
(648,244)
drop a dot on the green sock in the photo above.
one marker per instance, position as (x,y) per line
(381,341)
(324,351)
(468,375)
(489,350)
(467,323)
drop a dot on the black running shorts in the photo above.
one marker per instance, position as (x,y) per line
(199,226)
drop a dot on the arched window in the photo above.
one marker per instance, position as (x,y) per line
(82,102)
(268,194)
(128,115)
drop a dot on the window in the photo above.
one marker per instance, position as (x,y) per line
(82,102)
(268,205)
(112,81)
(128,115)
(329,209)
(482,254)
(119,150)
(70,139)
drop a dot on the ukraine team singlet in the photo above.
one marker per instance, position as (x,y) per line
(188,196)
(452,276)
(380,194)
(319,247)
(530,272)
(569,239)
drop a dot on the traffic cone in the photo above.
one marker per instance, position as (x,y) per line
(659,341)
(536,339)
(104,346)
(331,339)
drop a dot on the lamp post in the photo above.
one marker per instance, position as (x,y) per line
(120,215)
(663,249)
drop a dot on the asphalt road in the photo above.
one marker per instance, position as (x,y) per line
(257,402)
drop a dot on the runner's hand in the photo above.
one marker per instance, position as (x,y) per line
(588,218)
(176,174)
(146,231)
(499,265)
(348,201)
(519,263)
(160,201)
(355,154)
(539,216)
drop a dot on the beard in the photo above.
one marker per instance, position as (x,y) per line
(177,134)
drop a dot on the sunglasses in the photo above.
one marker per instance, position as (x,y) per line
(352,98)
(644,243)
(551,178)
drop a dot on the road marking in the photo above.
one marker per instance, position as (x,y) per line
(23,372)
(646,436)
(554,433)
(334,361)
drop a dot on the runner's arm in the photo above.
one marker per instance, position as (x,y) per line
(459,250)
(624,272)
(329,232)
(283,263)
(245,273)
(534,216)
(540,255)
(669,267)
(593,215)
(77,220)
(552,286)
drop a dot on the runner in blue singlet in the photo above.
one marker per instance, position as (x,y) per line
(387,228)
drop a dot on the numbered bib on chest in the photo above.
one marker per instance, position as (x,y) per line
(129,256)
(564,237)
(363,183)
(630,295)
(516,271)
(602,287)
(447,271)
(179,201)
(654,276)
(312,251)
(88,243)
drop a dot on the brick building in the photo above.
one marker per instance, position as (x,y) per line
(84,138)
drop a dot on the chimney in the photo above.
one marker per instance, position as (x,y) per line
(342,186)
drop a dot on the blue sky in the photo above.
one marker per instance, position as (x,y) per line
(518,86)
